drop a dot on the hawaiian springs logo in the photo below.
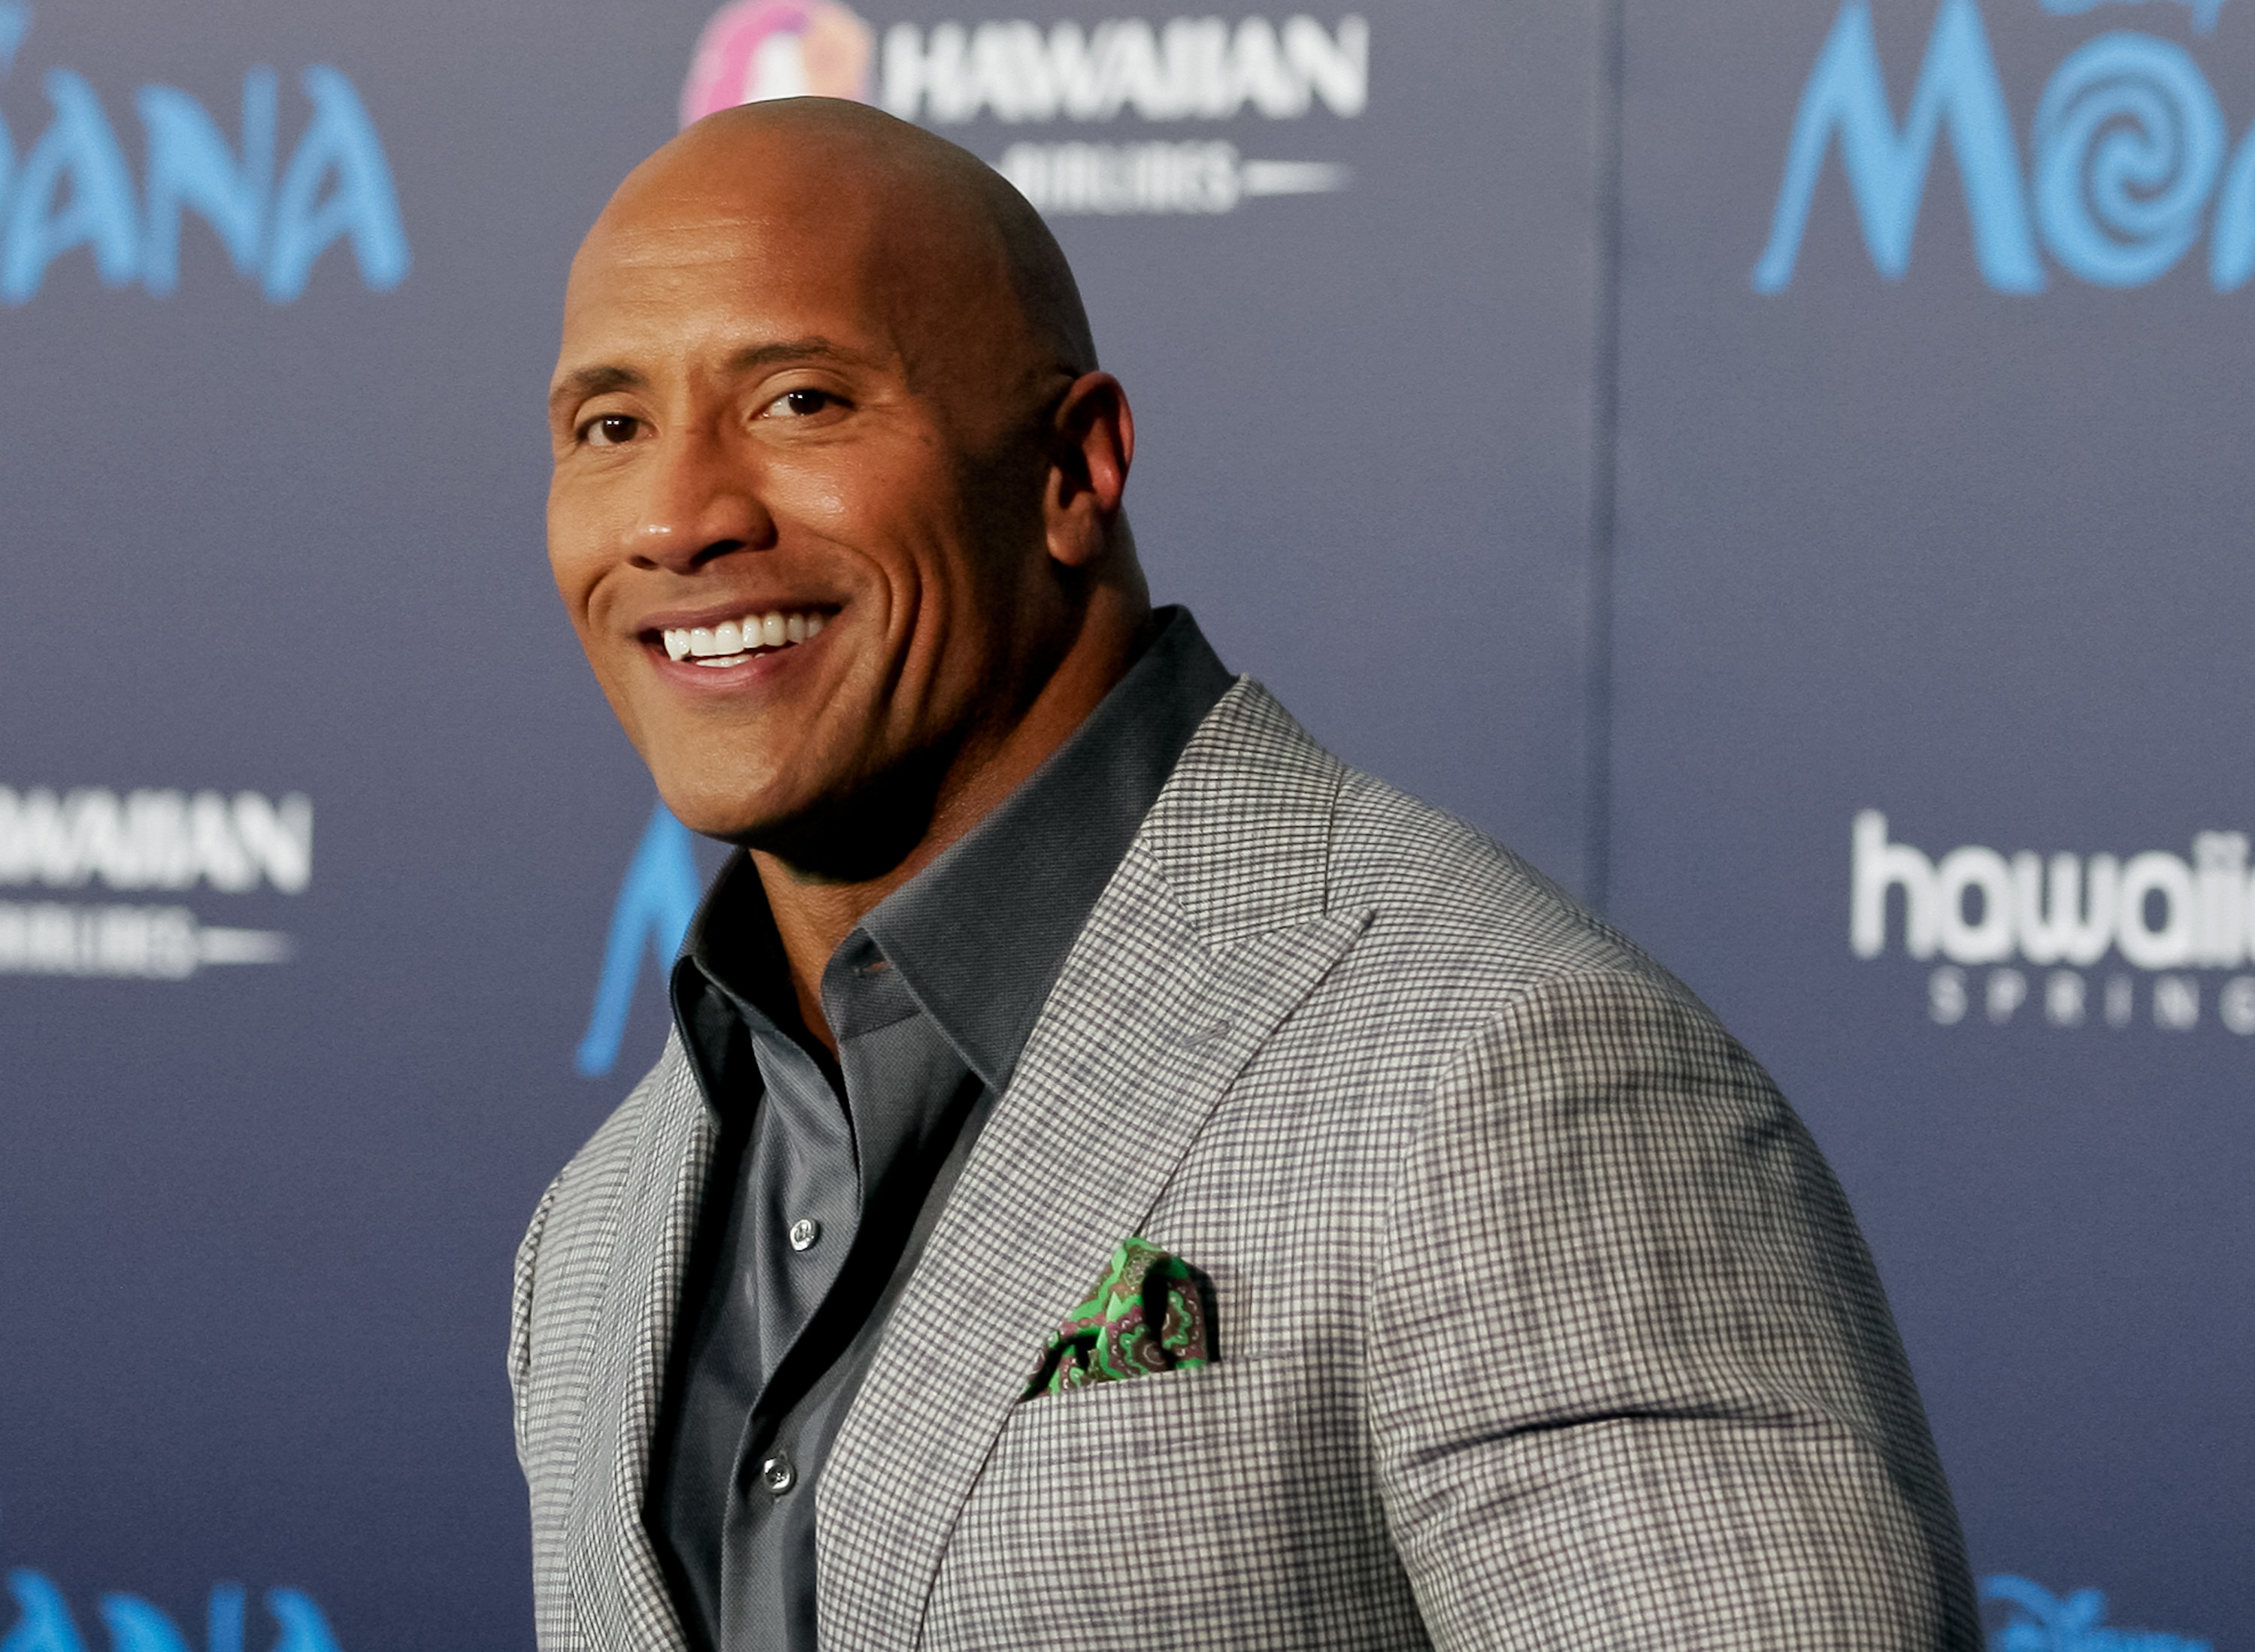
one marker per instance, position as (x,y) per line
(2129,157)
(1189,69)
(2162,915)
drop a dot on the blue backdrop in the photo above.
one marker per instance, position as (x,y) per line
(1778,467)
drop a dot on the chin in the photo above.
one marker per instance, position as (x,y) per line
(716,797)
(723,816)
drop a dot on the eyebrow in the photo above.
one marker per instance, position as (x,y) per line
(585,382)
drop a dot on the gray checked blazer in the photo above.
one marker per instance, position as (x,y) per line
(1542,1323)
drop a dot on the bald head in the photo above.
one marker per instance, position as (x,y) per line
(977,240)
(826,380)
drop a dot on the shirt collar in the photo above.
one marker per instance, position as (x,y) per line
(979,936)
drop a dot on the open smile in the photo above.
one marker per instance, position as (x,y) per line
(735,643)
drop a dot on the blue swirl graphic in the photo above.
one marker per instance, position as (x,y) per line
(2204,12)
(2128,142)
(2231,242)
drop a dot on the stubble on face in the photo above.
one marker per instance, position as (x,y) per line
(797,378)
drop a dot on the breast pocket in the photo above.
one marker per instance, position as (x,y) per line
(1230,1506)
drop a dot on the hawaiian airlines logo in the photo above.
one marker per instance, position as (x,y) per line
(73,190)
(1187,70)
(2039,1621)
(2162,915)
(145,841)
(758,49)
(2130,157)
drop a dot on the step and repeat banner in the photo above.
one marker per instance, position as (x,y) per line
(1778,467)
(1934,769)
(332,901)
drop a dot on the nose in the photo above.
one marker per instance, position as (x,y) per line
(703,503)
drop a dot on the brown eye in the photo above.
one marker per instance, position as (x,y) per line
(612,429)
(804,404)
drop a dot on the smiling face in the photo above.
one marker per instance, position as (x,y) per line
(804,512)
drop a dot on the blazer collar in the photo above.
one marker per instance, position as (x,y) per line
(1216,925)
(618,1587)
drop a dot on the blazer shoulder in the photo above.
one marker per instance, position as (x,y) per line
(1261,828)
(1448,901)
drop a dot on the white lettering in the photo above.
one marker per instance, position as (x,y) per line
(2220,924)
(1115,179)
(1193,68)
(148,943)
(153,840)
(2157,873)
(2063,998)
(1987,939)
(2157,910)
(1879,866)
(2176,1002)
(2008,990)
(1945,994)
(2069,930)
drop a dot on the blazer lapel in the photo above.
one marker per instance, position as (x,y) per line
(618,1588)
(1213,931)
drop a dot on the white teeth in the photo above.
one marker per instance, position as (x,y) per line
(732,641)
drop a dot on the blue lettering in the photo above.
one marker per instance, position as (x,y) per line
(191,166)
(1887,168)
(2043,1623)
(15,24)
(43,1621)
(223,1618)
(135,1626)
(304,1629)
(7,172)
(79,145)
(340,144)
(2128,142)
(655,906)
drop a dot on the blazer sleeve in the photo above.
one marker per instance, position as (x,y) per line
(1633,1381)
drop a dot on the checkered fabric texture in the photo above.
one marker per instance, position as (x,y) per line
(1542,1323)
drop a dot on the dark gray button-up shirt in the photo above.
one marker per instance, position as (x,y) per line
(831,1173)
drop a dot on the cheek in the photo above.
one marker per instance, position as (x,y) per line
(579,549)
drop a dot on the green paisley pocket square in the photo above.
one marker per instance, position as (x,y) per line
(1150,1312)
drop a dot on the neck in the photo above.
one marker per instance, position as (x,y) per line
(813,913)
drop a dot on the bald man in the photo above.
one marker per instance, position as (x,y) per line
(1117,1177)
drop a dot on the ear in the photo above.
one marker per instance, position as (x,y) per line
(1091,444)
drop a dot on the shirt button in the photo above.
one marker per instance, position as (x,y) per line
(804,1232)
(777,1474)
